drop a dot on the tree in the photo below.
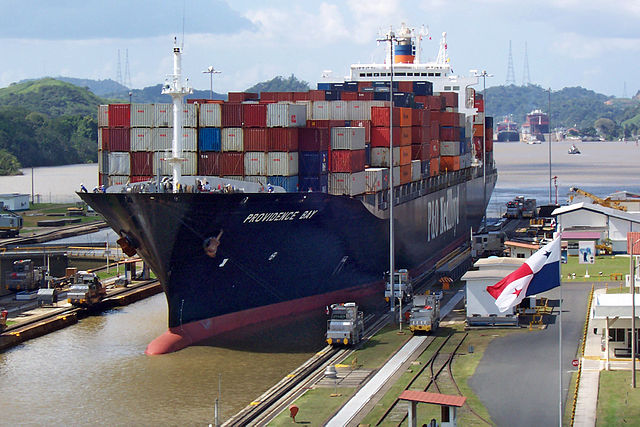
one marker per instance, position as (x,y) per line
(9,165)
(606,127)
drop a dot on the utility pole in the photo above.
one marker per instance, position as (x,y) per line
(211,71)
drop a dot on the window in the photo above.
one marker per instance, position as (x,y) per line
(362,74)
(437,74)
(519,255)
(376,74)
(368,74)
(430,74)
(400,74)
(456,88)
(422,74)
(447,88)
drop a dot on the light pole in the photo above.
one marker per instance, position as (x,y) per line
(130,95)
(549,124)
(211,71)
(390,37)
(632,286)
(484,76)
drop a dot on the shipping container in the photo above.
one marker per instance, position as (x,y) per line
(376,179)
(161,139)
(258,179)
(142,163)
(116,139)
(163,115)
(189,166)
(117,180)
(141,115)
(103,162)
(424,168)
(359,110)
(450,133)
(312,163)
(119,115)
(209,139)
(140,178)
(450,148)
(282,163)
(319,123)
(309,108)
(339,110)
(277,96)
(422,88)
(449,163)
(140,139)
(380,156)
(347,138)
(435,103)
(209,164)
(231,115)
(282,139)
(210,115)
(405,116)
(289,183)
(189,139)
(286,115)
(313,139)
(350,184)
(255,163)
(315,95)
(103,116)
(301,96)
(416,170)
(434,149)
(254,115)
(450,99)
(380,136)
(380,116)
(405,155)
(317,183)
(405,136)
(332,95)
(347,161)
(255,139)
(405,174)
(321,110)
(231,163)
(119,163)
(416,151)
(232,140)
(434,166)
(242,96)
(366,124)
(349,96)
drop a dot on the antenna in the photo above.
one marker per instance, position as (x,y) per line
(184,11)
(127,75)
(119,70)
(526,79)
(511,75)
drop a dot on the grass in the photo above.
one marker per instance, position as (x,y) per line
(315,406)
(605,264)
(378,349)
(44,211)
(618,403)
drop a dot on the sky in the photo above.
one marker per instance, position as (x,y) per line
(590,43)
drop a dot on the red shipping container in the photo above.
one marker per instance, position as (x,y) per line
(405,155)
(301,96)
(435,130)
(103,179)
(450,99)
(448,133)
(242,96)
(425,151)
(316,95)
(405,116)
(366,124)
(231,163)
(141,163)
(405,86)
(119,115)
(338,123)
(347,161)
(318,123)
(349,96)
(416,117)
(254,115)
(416,134)
(489,134)
(282,139)
(209,164)
(434,148)
(362,85)
(448,118)
(479,104)
(116,139)
(434,166)
(276,96)
(477,147)
(255,139)
(421,99)
(313,139)
(435,103)
(405,174)
(196,101)
(365,96)
(231,115)
(449,163)
(140,178)
(380,136)
(405,136)
(416,151)
(380,116)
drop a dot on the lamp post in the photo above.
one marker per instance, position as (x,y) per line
(390,37)
(130,95)
(549,124)
(211,71)
(484,76)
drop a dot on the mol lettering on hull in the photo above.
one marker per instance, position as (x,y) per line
(443,213)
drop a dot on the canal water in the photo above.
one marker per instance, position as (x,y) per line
(96,372)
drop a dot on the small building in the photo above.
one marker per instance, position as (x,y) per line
(613,224)
(573,239)
(15,201)
(448,406)
(520,249)
(611,317)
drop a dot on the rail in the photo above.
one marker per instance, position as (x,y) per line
(581,356)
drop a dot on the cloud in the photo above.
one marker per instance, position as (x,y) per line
(578,46)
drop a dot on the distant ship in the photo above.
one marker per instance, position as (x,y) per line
(257,229)
(507,131)
(535,127)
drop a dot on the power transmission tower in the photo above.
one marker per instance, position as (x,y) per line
(526,79)
(119,70)
(127,75)
(511,75)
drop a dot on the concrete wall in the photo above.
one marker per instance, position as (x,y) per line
(480,302)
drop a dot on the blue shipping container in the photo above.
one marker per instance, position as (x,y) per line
(423,88)
(381,96)
(324,86)
(463,132)
(289,183)
(314,183)
(209,139)
(337,86)
(312,163)
(331,95)
(350,86)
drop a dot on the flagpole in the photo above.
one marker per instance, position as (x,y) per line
(560,341)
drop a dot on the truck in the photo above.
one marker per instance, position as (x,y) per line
(86,290)
(23,276)
(10,222)
(529,208)
(402,285)
(345,325)
(425,313)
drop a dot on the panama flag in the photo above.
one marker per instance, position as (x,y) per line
(539,273)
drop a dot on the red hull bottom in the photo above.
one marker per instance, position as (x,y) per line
(179,337)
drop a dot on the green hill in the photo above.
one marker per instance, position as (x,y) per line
(280,84)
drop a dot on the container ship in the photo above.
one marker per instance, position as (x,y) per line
(535,127)
(507,131)
(272,204)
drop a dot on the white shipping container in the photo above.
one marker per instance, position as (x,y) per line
(321,110)
(415,170)
(359,110)
(350,184)
(189,115)
(163,115)
(103,162)
(141,115)
(339,110)
(255,163)
(376,179)
(309,108)
(210,115)
(232,139)
(449,148)
(478,119)
(256,179)
(119,163)
(282,164)
(189,166)
(141,139)
(189,139)
(347,138)
(380,156)
(161,139)
(99,139)
(117,180)
(103,116)
(282,114)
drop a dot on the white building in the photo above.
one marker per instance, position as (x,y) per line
(614,224)
(611,317)
(15,201)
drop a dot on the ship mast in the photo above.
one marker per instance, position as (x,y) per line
(177,90)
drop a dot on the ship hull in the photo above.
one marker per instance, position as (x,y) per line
(282,253)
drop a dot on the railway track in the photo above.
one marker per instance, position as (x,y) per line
(57,233)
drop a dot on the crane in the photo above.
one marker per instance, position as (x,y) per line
(598,200)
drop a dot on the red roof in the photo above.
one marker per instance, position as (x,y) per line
(585,235)
(435,398)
